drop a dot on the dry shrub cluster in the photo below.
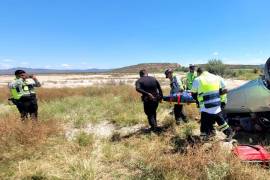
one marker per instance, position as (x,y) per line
(14,133)
(48,94)
(157,160)
(191,165)
(4,95)
(128,93)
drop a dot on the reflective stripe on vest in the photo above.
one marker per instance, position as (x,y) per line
(208,92)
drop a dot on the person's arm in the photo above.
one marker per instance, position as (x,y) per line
(15,83)
(187,80)
(194,90)
(159,89)
(37,83)
(223,89)
(140,90)
(179,84)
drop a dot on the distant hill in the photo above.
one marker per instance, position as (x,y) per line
(51,71)
(151,67)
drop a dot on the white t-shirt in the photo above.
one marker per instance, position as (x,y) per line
(195,87)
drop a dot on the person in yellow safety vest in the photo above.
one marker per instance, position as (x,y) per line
(176,87)
(191,75)
(223,99)
(206,89)
(23,94)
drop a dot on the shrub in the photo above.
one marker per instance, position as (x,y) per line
(182,69)
(256,71)
(216,66)
(13,132)
(84,139)
(230,73)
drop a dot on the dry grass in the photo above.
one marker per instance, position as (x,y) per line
(17,138)
(154,159)
(4,95)
(49,94)
(41,151)
(127,92)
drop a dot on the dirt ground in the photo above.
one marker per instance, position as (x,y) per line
(79,80)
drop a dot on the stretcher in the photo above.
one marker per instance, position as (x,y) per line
(180,98)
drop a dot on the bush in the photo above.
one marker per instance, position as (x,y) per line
(216,66)
(85,139)
(230,73)
(182,69)
(256,70)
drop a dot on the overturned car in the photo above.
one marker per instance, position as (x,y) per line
(249,105)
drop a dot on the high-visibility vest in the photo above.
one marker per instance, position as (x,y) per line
(208,90)
(223,98)
(190,79)
(25,89)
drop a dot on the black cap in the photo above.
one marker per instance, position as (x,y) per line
(168,71)
(18,72)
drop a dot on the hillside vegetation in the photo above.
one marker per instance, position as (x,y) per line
(151,67)
(62,145)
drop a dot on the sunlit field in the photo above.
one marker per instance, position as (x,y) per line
(101,133)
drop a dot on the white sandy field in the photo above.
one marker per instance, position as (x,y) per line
(86,80)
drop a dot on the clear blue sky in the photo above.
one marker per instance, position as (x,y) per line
(115,33)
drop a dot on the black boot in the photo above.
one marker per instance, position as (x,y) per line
(229,134)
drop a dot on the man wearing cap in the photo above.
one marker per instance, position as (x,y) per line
(191,75)
(152,94)
(23,94)
(176,87)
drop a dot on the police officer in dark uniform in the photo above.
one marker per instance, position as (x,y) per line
(23,94)
(152,94)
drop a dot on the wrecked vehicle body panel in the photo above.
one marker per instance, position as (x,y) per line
(252,101)
(253,96)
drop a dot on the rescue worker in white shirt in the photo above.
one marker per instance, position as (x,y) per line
(176,87)
(23,94)
(223,97)
(206,89)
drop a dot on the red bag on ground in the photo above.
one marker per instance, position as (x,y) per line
(250,153)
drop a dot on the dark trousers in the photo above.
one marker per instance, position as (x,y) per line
(208,121)
(150,109)
(178,112)
(27,106)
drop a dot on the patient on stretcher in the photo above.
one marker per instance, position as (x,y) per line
(183,97)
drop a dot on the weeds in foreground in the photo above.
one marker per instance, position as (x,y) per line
(14,132)
(41,151)
(84,139)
